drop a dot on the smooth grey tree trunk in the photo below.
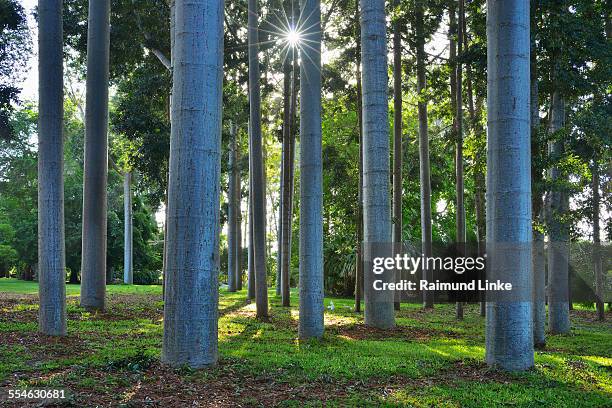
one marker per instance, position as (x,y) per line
(538,263)
(251,248)
(311,176)
(479,179)
(459,183)
(397,145)
(171,4)
(539,291)
(257,167)
(287,182)
(558,252)
(231,213)
(93,264)
(597,264)
(359,215)
(128,259)
(238,199)
(424,169)
(509,327)
(191,307)
(376,207)
(51,249)
(279,225)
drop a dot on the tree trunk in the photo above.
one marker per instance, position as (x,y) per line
(171,4)
(311,176)
(165,249)
(231,213)
(428,300)
(251,249)
(376,209)
(287,183)
(509,329)
(538,260)
(51,252)
(479,179)
(397,147)
(93,264)
(558,254)
(191,307)
(359,217)
(128,260)
(279,225)
(258,180)
(460,210)
(238,200)
(597,264)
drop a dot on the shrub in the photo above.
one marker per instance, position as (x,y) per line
(146,277)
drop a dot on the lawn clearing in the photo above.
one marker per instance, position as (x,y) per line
(112,358)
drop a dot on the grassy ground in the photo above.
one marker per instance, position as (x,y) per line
(429,360)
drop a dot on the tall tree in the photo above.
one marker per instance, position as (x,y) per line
(311,175)
(376,212)
(359,212)
(421,56)
(251,249)
(279,224)
(286,177)
(509,328)
(93,264)
(51,252)
(231,213)
(287,237)
(538,260)
(558,254)
(538,263)
(397,139)
(191,307)
(459,184)
(257,167)
(128,259)
(597,264)
(238,199)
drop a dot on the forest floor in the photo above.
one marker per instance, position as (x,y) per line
(428,360)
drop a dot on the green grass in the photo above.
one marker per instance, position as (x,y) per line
(430,360)
(10,285)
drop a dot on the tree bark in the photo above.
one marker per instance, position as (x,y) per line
(538,262)
(238,200)
(231,213)
(479,178)
(597,264)
(93,264)
(376,209)
(509,329)
(128,260)
(251,250)
(279,225)
(311,176)
(558,253)
(191,307)
(397,147)
(359,213)
(51,252)
(287,184)
(459,176)
(258,181)
(428,300)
